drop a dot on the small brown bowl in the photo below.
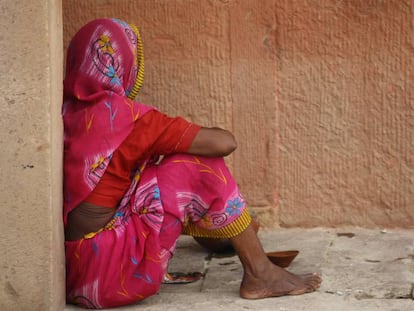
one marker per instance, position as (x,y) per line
(283,258)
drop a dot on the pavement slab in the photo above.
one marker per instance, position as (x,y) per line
(370,265)
(362,270)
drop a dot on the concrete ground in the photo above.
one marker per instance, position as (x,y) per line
(362,270)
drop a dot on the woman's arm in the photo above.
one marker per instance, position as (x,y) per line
(159,134)
(213,142)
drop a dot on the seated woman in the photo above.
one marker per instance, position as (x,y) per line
(124,205)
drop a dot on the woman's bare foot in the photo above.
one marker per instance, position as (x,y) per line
(262,278)
(275,281)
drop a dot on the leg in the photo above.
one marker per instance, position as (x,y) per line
(261,277)
(223,245)
(205,196)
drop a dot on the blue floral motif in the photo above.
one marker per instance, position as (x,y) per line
(146,277)
(118,214)
(94,247)
(114,77)
(112,114)
(234,207)
(121,22)
(134,260)
(156,193)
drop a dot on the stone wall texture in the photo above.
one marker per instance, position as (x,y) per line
(319,94)
(31,243)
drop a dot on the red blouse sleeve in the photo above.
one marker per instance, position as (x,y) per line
(153,134)
(164,135)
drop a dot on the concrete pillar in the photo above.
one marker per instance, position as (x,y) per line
(31,260)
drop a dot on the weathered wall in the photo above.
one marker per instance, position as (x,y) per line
(31,260)
(212,62)
(346,98)
(318,93)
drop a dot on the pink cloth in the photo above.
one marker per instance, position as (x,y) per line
(100,72)
(125,262)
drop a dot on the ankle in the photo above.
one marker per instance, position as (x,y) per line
(258,268)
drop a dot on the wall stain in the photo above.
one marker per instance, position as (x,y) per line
(9,289)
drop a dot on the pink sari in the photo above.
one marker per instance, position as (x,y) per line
(126,261)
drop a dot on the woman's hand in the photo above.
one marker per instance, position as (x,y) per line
(213,142)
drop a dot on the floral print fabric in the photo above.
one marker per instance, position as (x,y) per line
(125,262)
